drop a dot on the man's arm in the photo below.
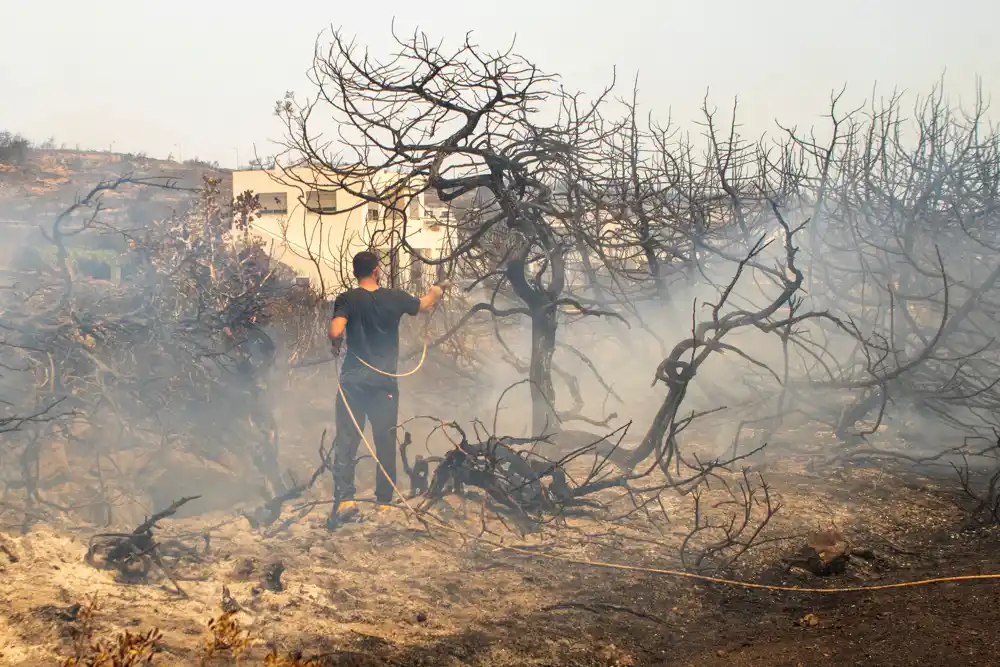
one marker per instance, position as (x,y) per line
(338,324)
(433,295)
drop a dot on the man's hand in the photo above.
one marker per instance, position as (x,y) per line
(337,345)
(433,295)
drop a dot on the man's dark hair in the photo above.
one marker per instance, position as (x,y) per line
(365,263)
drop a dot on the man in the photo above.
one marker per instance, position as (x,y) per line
(369,315)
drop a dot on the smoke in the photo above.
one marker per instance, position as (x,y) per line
(185,374)
(788,394)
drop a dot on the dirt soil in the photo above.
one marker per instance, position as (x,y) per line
(384,592)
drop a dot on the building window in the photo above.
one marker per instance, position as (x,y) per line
(321,201)
(273,203)
(373,213)
(414,208)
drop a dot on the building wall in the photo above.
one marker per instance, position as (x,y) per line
(314,244)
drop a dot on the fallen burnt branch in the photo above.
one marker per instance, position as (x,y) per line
(532,482)
(419,471)
(525,491)
(515,481)
(133,554)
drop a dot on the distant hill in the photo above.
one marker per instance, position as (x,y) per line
(50,180)
(36,190)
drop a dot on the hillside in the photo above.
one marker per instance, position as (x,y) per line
(34,192)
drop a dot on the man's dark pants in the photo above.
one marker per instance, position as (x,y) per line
(381,408)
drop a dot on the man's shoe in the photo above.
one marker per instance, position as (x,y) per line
(344,511)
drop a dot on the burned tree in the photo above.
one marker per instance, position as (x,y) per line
(902,242)
(133,554)
(724,215)
(566,216)
(464,124)
(141,363)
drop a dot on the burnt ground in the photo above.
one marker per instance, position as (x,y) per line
(383,592)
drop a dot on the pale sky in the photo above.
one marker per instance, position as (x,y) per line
(199,78)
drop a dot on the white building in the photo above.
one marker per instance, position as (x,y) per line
(309,223)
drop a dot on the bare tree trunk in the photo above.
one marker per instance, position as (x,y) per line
(543,347)
(541,305)
(591,273)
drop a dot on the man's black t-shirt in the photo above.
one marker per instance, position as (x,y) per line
(373,333)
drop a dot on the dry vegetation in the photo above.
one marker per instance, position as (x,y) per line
(814,314)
